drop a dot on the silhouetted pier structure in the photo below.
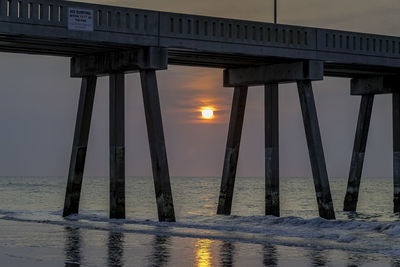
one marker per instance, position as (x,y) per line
(368,87)
(107,40)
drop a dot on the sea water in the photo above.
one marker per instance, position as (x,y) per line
(33,232)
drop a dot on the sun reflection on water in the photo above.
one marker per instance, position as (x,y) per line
(203,253)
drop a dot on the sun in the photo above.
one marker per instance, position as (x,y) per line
(207,113)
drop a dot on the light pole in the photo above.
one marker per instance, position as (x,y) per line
(275,11)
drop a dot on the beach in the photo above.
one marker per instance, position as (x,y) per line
(33,232)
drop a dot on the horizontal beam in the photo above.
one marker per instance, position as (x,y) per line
(150,58)
(310,70)
(375,85)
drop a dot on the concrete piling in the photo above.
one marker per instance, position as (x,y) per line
(357,158)
(79,147)
(117,145)
(115,64)
(396,151)
(232,150)
(368,87)
(315,149)
(158,152)
(271,118)
(302,72)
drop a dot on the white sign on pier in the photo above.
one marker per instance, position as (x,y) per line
(80,19)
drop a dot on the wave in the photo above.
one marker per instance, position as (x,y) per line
(352,235)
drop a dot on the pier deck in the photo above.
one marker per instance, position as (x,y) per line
(44,27)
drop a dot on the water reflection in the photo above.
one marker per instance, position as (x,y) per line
(319,257)
(354,215)
(161,253)
(357,259)
(203,253)
(395,263)
(72,247)
(227,251)
(115,249)
(270,256)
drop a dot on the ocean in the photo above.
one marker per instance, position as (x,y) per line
(33,232)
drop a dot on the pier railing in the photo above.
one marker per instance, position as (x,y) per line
(235,31)
(55,13)
(135,27)
(358,43)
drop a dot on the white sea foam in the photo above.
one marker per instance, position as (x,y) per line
(374,231)
(353,235)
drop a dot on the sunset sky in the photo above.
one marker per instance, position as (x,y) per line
(38,104)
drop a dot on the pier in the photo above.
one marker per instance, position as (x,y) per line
(106,40)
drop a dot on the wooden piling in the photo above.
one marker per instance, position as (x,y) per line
(158,153)
(357,158)
(117,145)
(315,149)
(396,151)
(271,150)
(79,147)
(232,150)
